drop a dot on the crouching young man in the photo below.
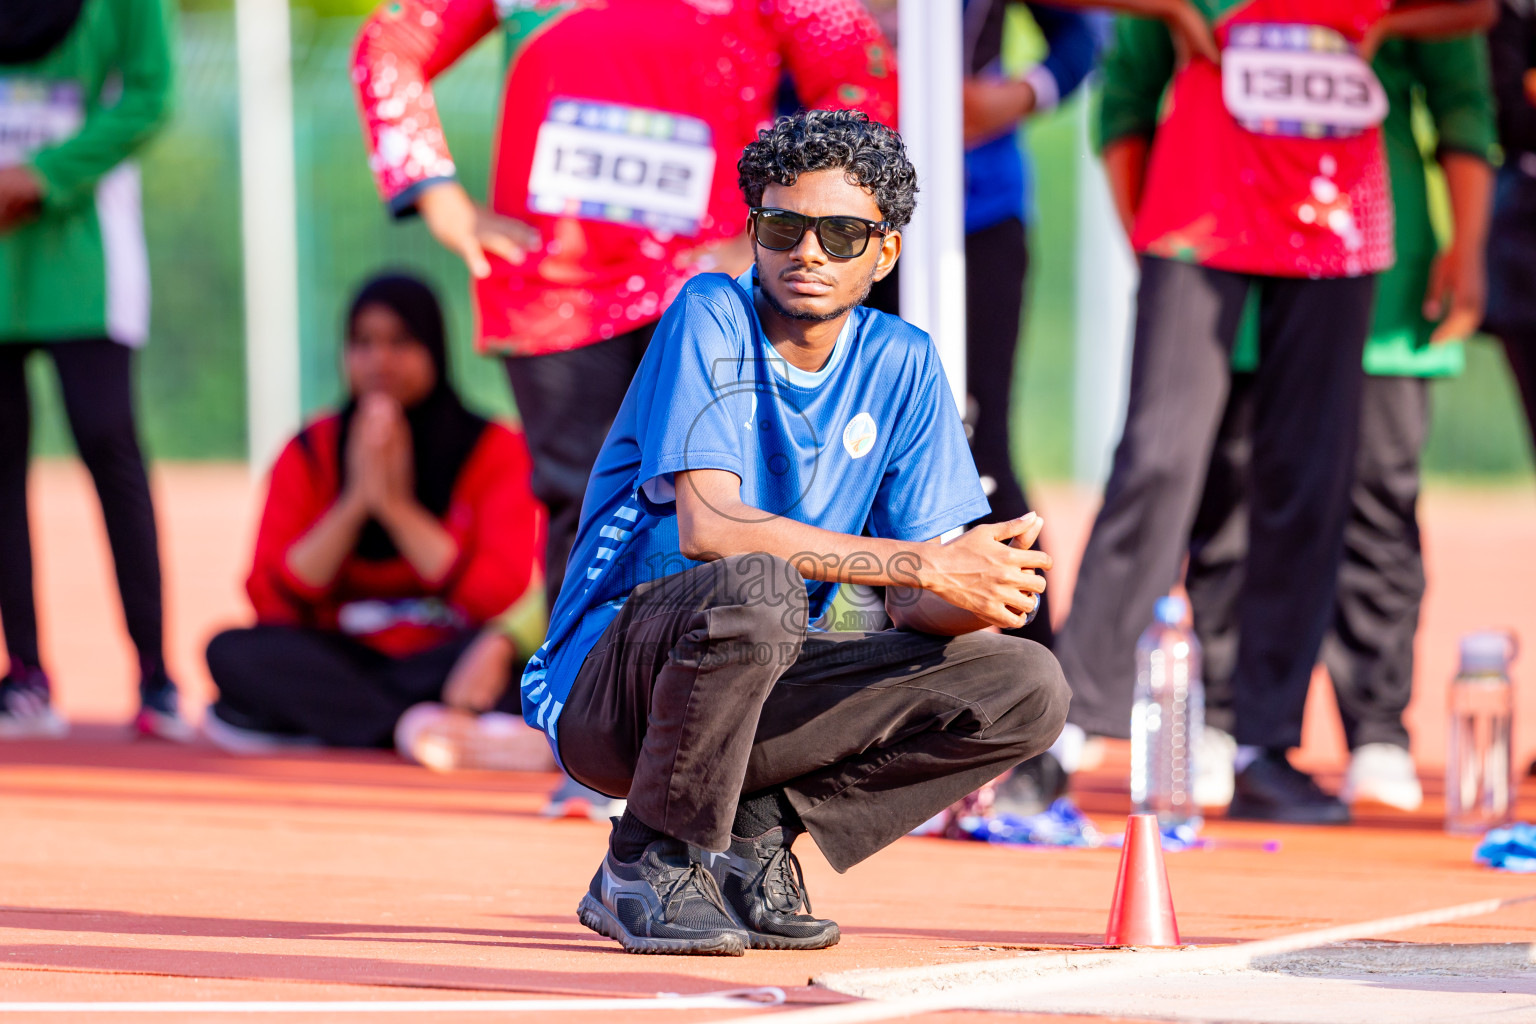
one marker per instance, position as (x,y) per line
(779,440)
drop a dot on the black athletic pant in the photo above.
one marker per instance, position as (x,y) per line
(308,682)
(95,376)
(1511,313)
(1520,351)
(567,402)
(996,264)
(708,686)
(1368,649)
(1306,416)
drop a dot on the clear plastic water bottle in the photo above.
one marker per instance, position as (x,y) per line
(1167,718)
(1479,767)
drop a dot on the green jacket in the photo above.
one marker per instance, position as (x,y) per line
(76,116)
(1448,77)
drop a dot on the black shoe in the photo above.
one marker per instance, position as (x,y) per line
(663,902)
(1269,789)
(1031,788)
(764,891)
(160,710)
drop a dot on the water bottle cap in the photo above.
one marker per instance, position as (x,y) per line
(1488,651)
(1169,611)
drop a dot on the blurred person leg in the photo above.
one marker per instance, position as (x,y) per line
(1213,580)
(1186,320)
(997,264)
(997,261)
(18,609)
(1520,353)
(282,682)
(1511,315)
(25,699)
(1306,422)
(1369,649)
(95,377)
(567,401)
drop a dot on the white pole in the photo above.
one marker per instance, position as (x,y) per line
(1106,285)
(268,220)
(932,267)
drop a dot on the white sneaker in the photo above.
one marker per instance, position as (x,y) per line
(26,711)
(573,800)
(234,739)
(1383,772)
(444,740)
(1214,754)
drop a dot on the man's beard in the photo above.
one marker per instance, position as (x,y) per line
(807,316)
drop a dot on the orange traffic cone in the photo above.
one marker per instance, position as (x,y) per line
(1142,911)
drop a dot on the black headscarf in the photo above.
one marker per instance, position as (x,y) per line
(31,29)
(443,432)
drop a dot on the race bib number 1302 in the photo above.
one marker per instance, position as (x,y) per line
(1298,80)
(627,165)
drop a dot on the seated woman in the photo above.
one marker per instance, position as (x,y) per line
(393,530)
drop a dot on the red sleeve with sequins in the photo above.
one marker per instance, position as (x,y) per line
(837,55)
(402,46)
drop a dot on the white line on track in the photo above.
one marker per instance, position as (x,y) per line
(733,999)
(1146,964)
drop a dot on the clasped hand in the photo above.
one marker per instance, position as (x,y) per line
(380,474)
(990,571)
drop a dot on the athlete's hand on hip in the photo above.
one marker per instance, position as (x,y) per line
(471,231)
(21,190)
(989,571)
(1457,293)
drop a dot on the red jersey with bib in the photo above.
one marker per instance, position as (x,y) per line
(621,124)
(1273,164)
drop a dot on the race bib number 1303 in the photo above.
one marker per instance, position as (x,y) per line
(627,165)
(1298,80)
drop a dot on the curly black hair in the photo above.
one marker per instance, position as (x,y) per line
(819,140)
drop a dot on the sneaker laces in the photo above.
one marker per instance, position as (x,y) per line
(679,881)
(784,883)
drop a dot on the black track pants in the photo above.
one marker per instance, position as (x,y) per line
(1306,415)
(96,380)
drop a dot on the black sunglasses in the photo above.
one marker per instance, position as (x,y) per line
(841,236)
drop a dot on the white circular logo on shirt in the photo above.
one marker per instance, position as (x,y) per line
(859,435)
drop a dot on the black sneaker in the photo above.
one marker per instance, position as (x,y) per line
(764,890)
(662,903)
(160,710)
(26,707)
(1270,789)
(1031,788)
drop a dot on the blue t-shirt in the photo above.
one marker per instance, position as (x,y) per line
(871,443)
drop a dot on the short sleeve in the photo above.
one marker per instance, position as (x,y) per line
(1458,92)
(692,403)
(930,485)
(1136,71)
